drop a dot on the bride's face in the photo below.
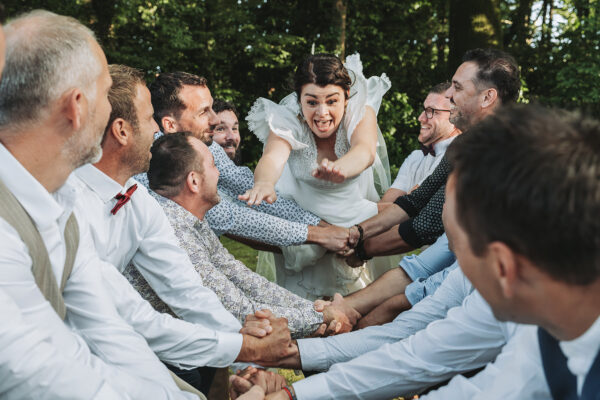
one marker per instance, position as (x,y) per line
(323,108)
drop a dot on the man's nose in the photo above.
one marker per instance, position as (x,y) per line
(213,119)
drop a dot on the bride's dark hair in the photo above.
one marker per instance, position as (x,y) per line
(322,70)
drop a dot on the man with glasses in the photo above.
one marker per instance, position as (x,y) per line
(436,134)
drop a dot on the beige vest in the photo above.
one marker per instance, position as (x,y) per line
(15,215)
(13,212)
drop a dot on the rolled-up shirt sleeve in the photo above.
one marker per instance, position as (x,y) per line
(415,201)
(427,225)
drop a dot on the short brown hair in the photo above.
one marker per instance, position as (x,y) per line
(122,93)
(440,88)
(165,90)
(530,177)
(173,158)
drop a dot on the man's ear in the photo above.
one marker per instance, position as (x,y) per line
(75,107)
(121,131)
(193,181)
(505,267)
(169,124)
(490,96)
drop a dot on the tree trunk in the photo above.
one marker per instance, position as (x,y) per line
(342,8)
(473,24)
(104,13)
(520,29)
(441,44)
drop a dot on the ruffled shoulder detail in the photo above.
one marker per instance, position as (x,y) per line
(363,92)
(282,119)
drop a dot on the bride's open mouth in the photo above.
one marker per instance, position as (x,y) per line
(323,126)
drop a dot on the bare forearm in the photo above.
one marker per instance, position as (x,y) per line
(386,286)
(359,158)
(386,244)
(386,219)
(268,170)
(391,195)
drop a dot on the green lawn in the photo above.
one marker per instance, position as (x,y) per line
(244,253)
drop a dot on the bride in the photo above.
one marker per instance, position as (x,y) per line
(322,148)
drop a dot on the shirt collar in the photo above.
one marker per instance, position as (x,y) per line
(178,211)
(103,185)
(43,207)
(441,146)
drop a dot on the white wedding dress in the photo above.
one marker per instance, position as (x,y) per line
(308,270)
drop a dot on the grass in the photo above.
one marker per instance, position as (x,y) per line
(240,251)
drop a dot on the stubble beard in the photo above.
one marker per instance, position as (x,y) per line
(461,121)
(78,151)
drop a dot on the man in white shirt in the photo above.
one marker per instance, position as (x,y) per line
(522,213)
(128,226)
(54,105)
(436,134)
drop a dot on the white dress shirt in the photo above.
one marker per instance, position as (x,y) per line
(418,166)
(319,354)
(518,372)
(129,364)
(468,338)
(32,367)
(140,233)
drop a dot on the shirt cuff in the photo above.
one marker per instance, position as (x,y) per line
(228,348)
(409,235)
(406,205)
(313,354)
(314,387)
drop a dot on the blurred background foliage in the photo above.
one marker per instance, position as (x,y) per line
(249,48)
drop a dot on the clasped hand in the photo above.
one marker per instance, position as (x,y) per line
(269,339)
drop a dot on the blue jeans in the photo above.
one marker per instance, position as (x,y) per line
(423,287)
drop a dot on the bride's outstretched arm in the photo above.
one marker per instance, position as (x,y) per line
(269,169)
(361,155)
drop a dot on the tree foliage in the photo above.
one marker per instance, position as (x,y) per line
(249,48)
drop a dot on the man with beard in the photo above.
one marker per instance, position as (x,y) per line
(53,109)
(435,135)
(227,131)
(486,80)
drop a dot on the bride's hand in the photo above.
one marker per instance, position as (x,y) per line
(261,191)
(329,171)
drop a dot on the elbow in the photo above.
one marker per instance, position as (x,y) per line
(370,155)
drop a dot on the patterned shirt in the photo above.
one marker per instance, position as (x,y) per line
(424,205)
(282,223)
(240,290)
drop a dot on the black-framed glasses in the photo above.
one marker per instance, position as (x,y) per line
(429,111)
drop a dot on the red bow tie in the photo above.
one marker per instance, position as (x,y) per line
(428,150)
(122,199)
